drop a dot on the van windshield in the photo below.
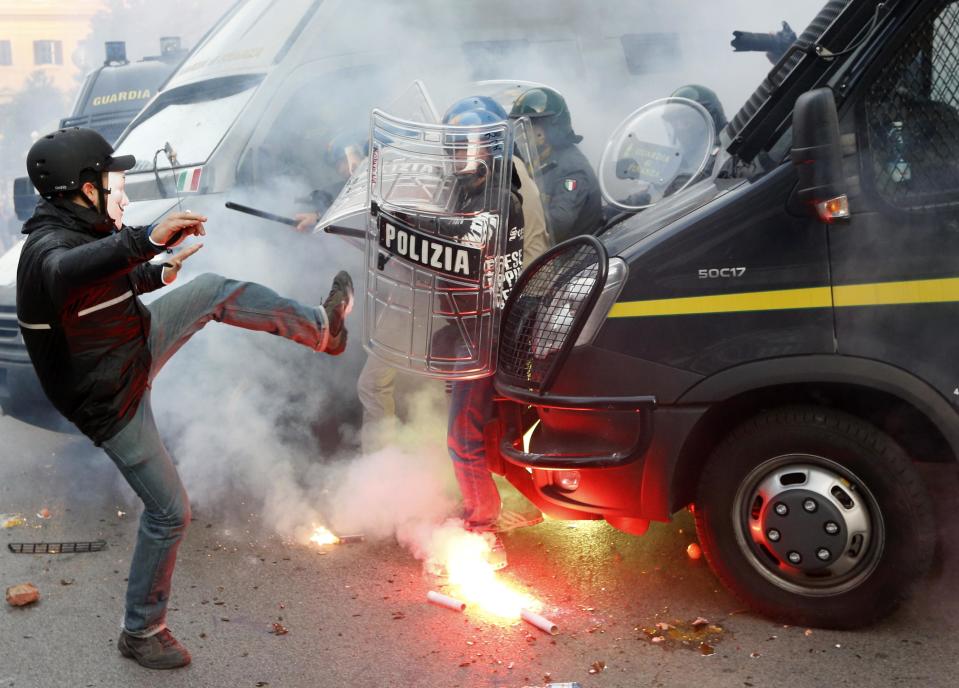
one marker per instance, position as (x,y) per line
(193,119)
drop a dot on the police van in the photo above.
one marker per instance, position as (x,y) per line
(769,335)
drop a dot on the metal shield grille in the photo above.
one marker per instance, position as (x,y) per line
(547,310)
(912,113)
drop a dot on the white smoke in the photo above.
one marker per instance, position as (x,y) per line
(260,425)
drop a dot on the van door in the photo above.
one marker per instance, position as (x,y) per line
(896,262)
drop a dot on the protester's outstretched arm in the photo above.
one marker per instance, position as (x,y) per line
(119,253)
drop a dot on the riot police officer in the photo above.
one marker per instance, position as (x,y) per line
(568,184)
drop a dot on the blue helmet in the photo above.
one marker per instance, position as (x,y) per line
(470,112)
(485,109)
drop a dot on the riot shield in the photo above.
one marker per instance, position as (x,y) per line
(437,245)
(658,151)
(414,104)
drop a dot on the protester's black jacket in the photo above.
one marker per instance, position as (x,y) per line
(83,323)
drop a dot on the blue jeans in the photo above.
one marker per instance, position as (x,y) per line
(471,410)
(137,449)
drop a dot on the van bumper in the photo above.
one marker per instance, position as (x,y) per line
(588,458)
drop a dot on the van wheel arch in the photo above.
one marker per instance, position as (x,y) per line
(906,408)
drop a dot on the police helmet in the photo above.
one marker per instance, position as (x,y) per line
(547,108)
(708,99)
(475,104)
(58,164)
(470,112)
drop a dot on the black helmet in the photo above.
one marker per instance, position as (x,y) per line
(60,163)
(708,99)
(547,108)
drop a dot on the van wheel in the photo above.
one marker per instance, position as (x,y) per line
(815,517)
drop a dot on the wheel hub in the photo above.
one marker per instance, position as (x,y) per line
(804,529)
(808,525)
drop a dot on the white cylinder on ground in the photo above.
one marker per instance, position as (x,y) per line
(445,601)
(541,622)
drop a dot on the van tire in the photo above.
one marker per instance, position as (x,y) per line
(756,471)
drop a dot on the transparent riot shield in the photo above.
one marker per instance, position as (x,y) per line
(414,104)
(436,243)
(656,152)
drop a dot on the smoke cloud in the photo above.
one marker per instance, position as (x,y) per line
(260,425)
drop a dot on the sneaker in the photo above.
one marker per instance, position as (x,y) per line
(337,306)
(496,558)
(160,651)
(497,555)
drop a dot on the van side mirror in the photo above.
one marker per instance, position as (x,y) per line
(25,198)
(817,155)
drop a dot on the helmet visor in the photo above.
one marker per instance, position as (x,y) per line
(121,163)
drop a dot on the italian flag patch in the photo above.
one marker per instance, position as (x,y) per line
(569,184)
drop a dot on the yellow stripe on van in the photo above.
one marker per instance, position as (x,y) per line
(874,294)
(897,293)
(785,299)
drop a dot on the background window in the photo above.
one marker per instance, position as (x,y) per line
(6,54)
(912,114)
(48,52)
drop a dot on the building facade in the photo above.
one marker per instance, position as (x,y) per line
(43,35)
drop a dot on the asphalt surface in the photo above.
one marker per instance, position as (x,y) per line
(356,614)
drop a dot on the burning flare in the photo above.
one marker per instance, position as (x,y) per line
(473,580)
(322,536)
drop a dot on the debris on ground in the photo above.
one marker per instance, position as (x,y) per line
(56,547)
(22,595)
(44,513)
(699,634)
(8,521)
(597,667)
(694,551)
(67,581)
(279,629)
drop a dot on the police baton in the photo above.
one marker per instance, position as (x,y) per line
(256,212)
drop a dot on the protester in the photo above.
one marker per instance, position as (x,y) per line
(97,348)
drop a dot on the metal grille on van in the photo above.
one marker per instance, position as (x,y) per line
(912,111)
(547,310)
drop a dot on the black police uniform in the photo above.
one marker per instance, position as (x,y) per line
(571,195)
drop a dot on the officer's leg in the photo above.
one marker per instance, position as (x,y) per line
(184,311)
(140,455)
(376,388)
(471,408)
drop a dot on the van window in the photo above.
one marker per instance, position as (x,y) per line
(193,119)
(912,117)
(330,105)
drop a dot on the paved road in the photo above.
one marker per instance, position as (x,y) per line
(356,615)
